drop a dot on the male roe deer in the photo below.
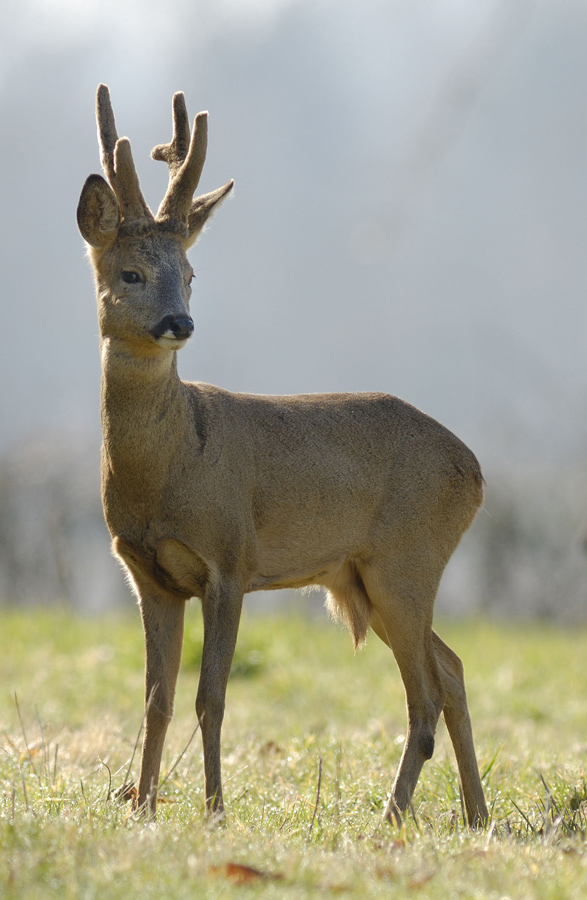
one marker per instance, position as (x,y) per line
(211,494)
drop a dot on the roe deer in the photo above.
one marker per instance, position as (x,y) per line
(211,494)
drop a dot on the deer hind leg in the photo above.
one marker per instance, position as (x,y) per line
(163,618)
(221,610)
(458,723)
(402,619)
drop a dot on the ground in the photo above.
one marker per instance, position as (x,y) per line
(312,737)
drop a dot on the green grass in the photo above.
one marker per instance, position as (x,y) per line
(312,737)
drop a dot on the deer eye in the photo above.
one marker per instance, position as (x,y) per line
(131,277)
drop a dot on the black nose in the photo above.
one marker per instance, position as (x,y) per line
(181,327)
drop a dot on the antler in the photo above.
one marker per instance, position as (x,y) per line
(185,158)
(117,161)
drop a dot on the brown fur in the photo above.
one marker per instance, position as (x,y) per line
(212,494)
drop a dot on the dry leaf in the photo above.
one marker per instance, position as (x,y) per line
(239,874)
(420,880)
(30,752)
(269,748)
(126,792)
(386,872)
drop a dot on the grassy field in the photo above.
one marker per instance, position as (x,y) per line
(312,737)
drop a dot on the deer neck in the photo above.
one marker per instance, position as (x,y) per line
(142,410)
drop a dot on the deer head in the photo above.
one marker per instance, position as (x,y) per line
(142,272)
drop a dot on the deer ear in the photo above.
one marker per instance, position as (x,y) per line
(202,208)
(98,212)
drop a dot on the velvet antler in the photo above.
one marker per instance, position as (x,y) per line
(185,157)
(118,163)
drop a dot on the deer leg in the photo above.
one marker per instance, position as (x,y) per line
(163,625)
(458,723)
(221,610)
(407,632)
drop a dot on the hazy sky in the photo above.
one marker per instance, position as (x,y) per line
(409,212)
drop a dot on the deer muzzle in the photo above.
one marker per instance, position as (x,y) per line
(177,328)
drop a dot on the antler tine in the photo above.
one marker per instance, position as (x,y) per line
(128,189)
(185,158)
(107,134)
(175,152)
(117,161)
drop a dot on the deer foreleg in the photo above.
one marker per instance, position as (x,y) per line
(163,624)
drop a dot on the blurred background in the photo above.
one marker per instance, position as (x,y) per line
(409,216)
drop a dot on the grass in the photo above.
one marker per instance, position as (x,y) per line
(312,738)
